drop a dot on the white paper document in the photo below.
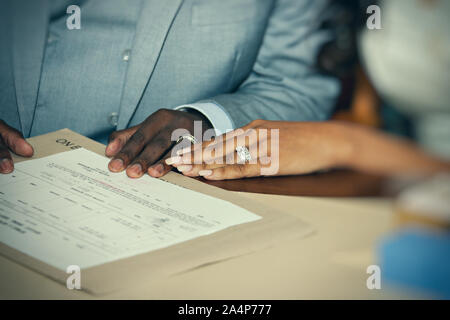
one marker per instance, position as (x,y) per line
(68,209)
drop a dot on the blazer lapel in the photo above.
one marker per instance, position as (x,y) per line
(29,31)
(154,24)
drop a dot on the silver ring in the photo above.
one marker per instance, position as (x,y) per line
(189,137)
(243,154)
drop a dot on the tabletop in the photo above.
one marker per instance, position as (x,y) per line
(331,263)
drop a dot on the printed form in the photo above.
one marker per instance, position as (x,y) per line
(68,209)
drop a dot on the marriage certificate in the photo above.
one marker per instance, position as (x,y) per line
(68,209)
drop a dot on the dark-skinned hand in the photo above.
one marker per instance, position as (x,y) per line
(11,140)
(144,148)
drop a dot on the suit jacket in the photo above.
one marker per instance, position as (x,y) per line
(254,58)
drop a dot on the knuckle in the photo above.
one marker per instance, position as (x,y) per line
(137,138)
(125,155)
(164,112)
(11,138)
(113,136)
(256,122)
(149,155)
(9,133)
(160,141)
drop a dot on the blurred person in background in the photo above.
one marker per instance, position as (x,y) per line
(401,86)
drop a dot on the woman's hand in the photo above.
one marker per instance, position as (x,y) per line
(288,148)
(276,148)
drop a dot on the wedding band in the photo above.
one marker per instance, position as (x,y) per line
(243,154)
(189,137)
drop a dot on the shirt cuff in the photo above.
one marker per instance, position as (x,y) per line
(218,117)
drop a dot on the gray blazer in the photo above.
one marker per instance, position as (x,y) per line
(253,57)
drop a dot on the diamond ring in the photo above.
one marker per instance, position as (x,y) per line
(243,154)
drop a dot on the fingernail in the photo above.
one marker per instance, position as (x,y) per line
(184,168)
(173,160)
(184,150)
(135,170)
(116,164)
(112,147)
(6,166)
(159,168)
(205,173)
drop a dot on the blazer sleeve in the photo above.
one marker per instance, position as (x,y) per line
(283,84)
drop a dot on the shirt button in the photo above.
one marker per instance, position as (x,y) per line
(50,39)
(113,119)
(126,55)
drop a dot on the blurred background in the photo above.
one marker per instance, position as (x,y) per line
(397,79)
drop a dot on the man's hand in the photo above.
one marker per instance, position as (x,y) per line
(11,139)
(145,147)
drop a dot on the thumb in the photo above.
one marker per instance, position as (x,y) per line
(22,148)
(118,139)
(15,141)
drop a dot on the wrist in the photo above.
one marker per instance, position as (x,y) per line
(346,144)
(198,116)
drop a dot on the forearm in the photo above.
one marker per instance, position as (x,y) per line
(375,152)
